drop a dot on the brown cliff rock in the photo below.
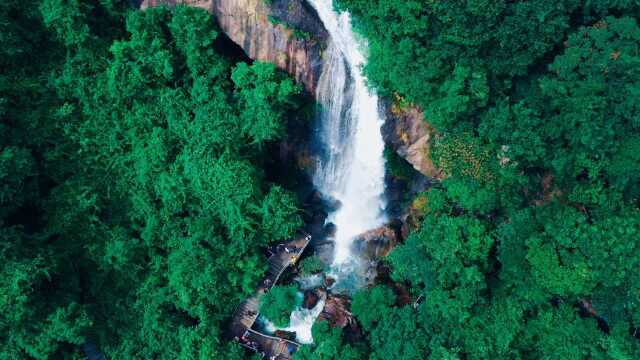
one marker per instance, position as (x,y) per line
(337,311)
(377,243)
(411,137)
(286,33)
(311,299)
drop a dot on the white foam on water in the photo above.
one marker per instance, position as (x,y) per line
(353,167)
(300,322)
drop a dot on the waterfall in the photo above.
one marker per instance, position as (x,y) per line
(351,164)
(352,167)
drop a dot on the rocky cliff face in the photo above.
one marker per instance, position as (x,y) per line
(337,311)
(407,132)
(286,33)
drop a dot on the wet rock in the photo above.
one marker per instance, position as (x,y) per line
(325,250)
(330,230)
(378,243)
(317,225)
(329,281)
(313,296)
(332,204)
(315,215)
(323,243)
(287,33)
(337,311)
(314,201)
(311,299)
(319,201)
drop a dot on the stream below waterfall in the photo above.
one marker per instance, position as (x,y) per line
(351,166)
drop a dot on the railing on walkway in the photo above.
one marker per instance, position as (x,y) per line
(274,338)
(247,312)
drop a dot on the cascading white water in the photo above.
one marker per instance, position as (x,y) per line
(352,167)
(301,321)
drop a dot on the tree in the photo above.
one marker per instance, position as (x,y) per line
(526,247)
(133,205)
(264,96)
(369,304)
(278,304)
(329,344)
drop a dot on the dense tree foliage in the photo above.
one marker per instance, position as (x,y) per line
(278,303)
(529,249)
(133,205)
(311,265)
(329,345)
(134,201)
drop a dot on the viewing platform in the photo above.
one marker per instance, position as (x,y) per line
(248,311)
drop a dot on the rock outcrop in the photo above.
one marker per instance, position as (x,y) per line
(286,33)
(378,243)
(337,311)
(407,133)
(312,297)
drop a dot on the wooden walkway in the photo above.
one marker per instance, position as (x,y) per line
(248,311)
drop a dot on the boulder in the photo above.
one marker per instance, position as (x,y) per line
(311,299)
(329,281)
(330,230)
(337,311)
(287,33)
(378,243)
(411,137)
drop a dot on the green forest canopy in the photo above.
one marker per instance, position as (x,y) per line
(133,204)
(277,304)
(530,249)
(133,200)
